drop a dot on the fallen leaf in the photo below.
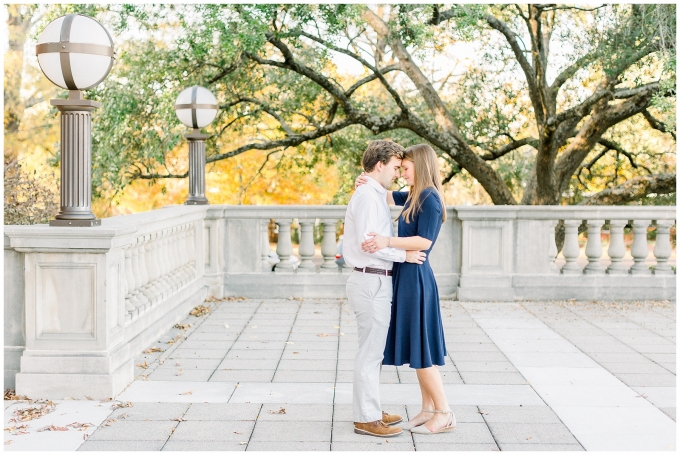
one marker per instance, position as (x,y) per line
(182,326)
(199,311)
(89,398)
(336,326)
(152,349)
(280,411)
(82,425)
(528,438)
(238,432)
(290,342)
(341,334)
(179,419)
(52,428)
(8,442)
(143,365)
(243,443)
(190,392)
(322,335)
(295,352)
(253,326)
(226,326)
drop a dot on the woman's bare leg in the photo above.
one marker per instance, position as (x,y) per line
(427,404)
(430,379)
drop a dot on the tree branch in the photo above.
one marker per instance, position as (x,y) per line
(634,189)
(656,124)
(266,108)
(509,148)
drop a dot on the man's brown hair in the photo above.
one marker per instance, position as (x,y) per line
(380,151)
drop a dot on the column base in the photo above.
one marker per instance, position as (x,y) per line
(76,223)
(197,201)
(55,386)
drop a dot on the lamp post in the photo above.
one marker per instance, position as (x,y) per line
(196,107)
(76,53)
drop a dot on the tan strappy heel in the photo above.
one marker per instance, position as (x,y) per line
(409,425)
(422,429)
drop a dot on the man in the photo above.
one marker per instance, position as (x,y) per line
(369,287)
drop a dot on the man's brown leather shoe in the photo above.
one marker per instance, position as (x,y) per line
(391,419)
(377,428)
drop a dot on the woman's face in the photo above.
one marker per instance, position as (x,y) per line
(408,172)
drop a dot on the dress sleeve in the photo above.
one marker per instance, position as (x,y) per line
(430,216)
(399,197)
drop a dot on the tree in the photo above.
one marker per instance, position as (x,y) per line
(553,88)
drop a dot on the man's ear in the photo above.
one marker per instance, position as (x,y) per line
(379,166)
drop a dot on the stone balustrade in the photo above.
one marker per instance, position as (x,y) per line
(81,303)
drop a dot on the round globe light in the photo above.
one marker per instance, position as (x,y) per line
(75,52)
(196,107)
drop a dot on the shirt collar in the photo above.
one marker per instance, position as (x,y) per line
(377,186)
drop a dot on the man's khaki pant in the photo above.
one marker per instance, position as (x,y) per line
(371,298)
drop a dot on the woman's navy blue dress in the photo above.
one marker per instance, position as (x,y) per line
(416,334)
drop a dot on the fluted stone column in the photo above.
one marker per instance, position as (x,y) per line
(329,247)
(306,249)
(617,248)
(76,163)
(571,249)
(594,248)
(284,247)
(639,249)
(196,169)
(662,249)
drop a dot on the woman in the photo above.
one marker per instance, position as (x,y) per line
(416,335)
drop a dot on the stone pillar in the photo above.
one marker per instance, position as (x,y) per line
(264,229)
(329,246)
(284,247)
(571,248)
(594,248)
(552,249)
(76,163)
(196,169)
(306,249)
(662,249)
(639,249)
(617,247)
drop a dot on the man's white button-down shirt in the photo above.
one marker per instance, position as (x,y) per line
(368,211)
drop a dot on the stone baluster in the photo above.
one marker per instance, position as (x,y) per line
(284,247)
(662,249)
(264,230)
(130,280)
(130,307)
(174,255)
(176,262)
(639,249)
(552,250)
(571,248)
(329,246)
(184,254)
(137,273)
(594,248)
(191,248)
(306,249)
(159,284)
(143,270)
(150,290)
(617,247)
(165,264)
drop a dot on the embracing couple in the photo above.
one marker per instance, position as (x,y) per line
(392,288)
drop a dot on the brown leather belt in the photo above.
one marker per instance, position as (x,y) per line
(382,272)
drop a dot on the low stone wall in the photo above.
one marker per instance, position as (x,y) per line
(81,303)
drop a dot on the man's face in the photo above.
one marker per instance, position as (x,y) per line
(389,172)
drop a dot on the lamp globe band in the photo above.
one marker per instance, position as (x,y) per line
(196,107)
(75,52)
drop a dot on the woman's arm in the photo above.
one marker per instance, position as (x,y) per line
(378,242)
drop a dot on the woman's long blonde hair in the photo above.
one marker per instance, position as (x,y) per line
(426,175)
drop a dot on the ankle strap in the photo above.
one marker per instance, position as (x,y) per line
(442,412)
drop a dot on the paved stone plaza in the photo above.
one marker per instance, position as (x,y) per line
(276,375)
